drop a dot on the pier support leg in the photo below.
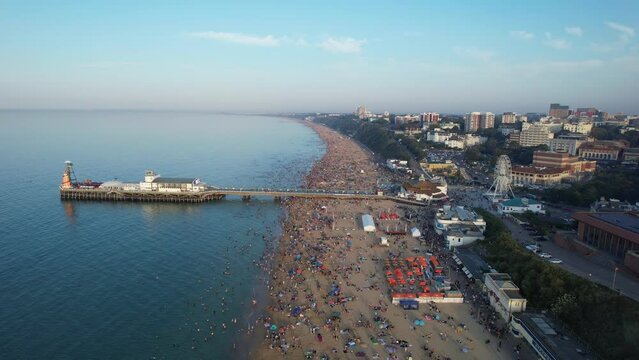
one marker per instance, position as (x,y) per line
(246,198)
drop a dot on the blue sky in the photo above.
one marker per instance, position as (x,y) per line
(275,56)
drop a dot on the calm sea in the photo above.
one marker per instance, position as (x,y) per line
(98,280)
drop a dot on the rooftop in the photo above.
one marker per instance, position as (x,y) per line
(545,332)
(520,202)
(166,180)
(422,187)
(538,170)
(622,224)
(457,212)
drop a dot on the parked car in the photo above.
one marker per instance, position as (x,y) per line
(533,248)
(555,261)
(545,255)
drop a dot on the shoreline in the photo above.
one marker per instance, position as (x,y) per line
(327,295)
(254,339)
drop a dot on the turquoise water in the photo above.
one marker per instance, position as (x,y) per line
(99,280)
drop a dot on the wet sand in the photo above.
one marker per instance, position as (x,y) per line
(327,294)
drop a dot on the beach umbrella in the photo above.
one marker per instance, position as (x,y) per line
(273,327)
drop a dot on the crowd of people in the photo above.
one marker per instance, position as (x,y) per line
(327,295)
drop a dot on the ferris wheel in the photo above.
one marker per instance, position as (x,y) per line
(503,175)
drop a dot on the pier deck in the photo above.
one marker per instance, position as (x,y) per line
(213,193)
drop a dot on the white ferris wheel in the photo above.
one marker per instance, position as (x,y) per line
(503,175)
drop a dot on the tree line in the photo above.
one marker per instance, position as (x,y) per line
(607,321)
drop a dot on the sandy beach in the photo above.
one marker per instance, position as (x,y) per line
(327,294)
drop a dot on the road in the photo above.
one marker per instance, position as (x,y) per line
(599,268)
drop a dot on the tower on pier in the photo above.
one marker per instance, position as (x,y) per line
(68,177)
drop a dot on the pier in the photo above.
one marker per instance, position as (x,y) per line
(212,194)
(155,188)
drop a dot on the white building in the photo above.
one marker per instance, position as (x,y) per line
(460,235)
(424,190)
(438,136)
(569,143)
(508,118)
(472,121)
(457,216)
(154,182)
(487,121)
(520,205)
(580,128)
(367,223)
(504,294)
(534,134)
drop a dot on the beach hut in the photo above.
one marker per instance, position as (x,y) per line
(368,223)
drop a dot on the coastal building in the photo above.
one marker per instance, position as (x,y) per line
(603,150)
(472,140)
(568,143)
(423,190)
(539,331)
(438,136)
(514,137)
(405,119)
(519,206)
(445,168)
(614,233)
(559,111)
(461,235)
(429,118)
(472,121)
(534,135)
(508,118)
(451,216)
(563,161)
(589,112)
(487,121)
(579,128)
(154,182)
(611,205)
(630,156)
(507,129)
(362,112)
(368,224)
(504,295)
(542,176)
(475,120)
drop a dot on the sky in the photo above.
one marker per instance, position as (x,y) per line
(325,56)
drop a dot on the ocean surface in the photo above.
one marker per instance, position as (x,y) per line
(100,280)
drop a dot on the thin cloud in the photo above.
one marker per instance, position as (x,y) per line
(474,53)
(556,43)
(238,38)
(574,30)
(522,35)
(346,45)
(625,33)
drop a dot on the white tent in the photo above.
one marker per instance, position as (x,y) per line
(414,232)
(383,241)
(368,223)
